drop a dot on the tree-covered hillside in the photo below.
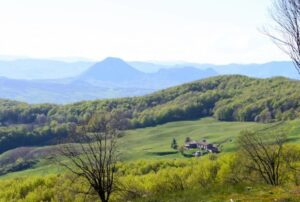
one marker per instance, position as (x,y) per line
(227,98)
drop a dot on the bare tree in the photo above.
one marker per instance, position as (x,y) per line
(93,154)
(285,32)
(265,155)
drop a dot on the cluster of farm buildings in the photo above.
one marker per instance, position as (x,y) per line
(202,145)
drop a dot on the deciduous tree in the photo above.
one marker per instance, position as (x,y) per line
(265,155)
(286,31)
(93,154)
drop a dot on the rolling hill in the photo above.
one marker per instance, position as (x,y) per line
(226,98)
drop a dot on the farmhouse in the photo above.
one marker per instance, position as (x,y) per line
(203,144)
(191,145)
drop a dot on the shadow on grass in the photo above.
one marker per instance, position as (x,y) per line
(187,155)
(164,153)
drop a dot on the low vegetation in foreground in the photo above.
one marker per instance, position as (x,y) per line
(212,178)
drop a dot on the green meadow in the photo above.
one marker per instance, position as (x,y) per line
(155,142)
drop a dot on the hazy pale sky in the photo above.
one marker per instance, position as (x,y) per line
(204,31)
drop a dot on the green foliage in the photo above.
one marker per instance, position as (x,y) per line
(203,179)
(49,188)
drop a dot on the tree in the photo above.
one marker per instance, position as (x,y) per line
(187,139)
(265,155)
(93,153)
(174,144)
(286,32)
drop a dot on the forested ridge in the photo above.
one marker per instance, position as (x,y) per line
(227,98)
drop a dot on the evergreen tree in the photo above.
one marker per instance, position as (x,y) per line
(174,144)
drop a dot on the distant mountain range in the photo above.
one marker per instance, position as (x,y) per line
(109,78)
(115,72)
(37,81)
(266,70)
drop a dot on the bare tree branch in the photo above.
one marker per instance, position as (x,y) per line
(91,151)
(285,32)
(265,155)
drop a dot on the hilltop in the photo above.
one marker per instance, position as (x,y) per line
(112,70)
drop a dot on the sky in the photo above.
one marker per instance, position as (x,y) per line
(202,31)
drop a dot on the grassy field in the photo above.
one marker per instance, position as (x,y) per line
(155,142)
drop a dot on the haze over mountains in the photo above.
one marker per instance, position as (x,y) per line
(41,69)
(39,81)
(266,70)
